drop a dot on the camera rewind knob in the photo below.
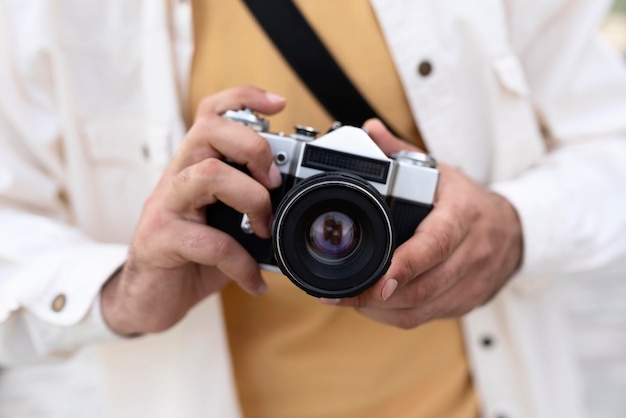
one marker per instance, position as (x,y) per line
(306,131)
(415,158)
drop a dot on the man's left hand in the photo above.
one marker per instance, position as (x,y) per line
(460,256)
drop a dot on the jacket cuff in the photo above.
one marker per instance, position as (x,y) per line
(536,202)
(64,313)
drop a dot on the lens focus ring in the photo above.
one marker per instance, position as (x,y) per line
(333,235)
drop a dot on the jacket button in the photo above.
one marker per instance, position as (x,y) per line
(58,303)
(145,151)
(487,341)
(425,68)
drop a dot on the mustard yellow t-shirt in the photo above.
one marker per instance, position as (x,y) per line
(293,356)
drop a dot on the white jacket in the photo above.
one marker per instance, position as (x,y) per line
(524,97)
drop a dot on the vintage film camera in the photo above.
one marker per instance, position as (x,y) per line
(342,209)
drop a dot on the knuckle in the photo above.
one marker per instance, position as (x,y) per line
(441,245)
(148,237)
(482,256)
(406,320)
(205,107)
(462,216)
(473,213)
(152,221)
(181,179)
(204,121)
(152,201)
(222,247)
(406,268)
(483,253)
(209,168)
(422,293)
(259,148)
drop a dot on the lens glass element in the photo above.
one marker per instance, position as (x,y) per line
(333,237)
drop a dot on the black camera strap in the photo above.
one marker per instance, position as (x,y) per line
(300,46)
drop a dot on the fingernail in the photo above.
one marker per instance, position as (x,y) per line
(390,286)
(261,289)
(274,98)
(329,301)
(275,177)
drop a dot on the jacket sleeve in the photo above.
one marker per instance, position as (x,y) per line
(50,272)
(572,205)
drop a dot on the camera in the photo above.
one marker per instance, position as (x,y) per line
(342,209)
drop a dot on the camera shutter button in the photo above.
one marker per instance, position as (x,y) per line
(306,131)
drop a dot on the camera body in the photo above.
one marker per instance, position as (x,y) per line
(342,209)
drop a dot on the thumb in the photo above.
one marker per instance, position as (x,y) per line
(385,140)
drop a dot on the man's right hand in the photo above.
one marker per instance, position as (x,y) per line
(175,259)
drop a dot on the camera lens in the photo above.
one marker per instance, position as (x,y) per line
(333,235)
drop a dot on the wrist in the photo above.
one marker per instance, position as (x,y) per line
(114,311)
(514,229)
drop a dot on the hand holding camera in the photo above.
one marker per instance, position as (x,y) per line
(175,260)
(461,255)
(342,208)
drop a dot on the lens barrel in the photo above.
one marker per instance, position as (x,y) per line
(333,235)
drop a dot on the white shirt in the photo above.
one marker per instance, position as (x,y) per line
(524,98)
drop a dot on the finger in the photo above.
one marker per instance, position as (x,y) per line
(435,281)
(245,147)
(213,180)
(435,239)
(192,242)
(449,304)
(213,136)
(446,306)
(216,137)
(240,97)
(427,286)
(458,300)
(475,287)
(401,318)
(385,140)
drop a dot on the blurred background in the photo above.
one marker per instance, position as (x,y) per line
(615,26)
